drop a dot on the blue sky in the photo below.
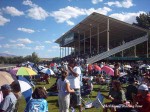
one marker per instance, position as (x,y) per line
(28,26)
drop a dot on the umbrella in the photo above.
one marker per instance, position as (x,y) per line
(14,71)
(47,71)
(26,88)
(111,66)
(5,78)
(96,67)
(40,67)
(127,66)
(108,70)
(24,71)
(28,63)
(144,66)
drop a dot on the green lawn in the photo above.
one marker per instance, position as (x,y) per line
(52,100)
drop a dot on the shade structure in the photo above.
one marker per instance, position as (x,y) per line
(5,78)
(96,67)
(111,66)
(26,88)
(144,66)
(127,66)
(47,71)
(14,70)
(108,70)
(24,71)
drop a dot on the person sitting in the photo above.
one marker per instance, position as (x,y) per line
(116,95)
(131,89)
(38,102)
(141,101)
(9,102)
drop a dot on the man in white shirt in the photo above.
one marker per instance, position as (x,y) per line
(74,79)
(9,102)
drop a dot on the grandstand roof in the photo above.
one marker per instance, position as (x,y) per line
(118,29)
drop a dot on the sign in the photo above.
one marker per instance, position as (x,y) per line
(68,39)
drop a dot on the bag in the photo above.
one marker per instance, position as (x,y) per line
(89,104)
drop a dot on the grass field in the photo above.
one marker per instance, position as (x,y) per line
(52,100)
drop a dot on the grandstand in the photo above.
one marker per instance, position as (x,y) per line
(100,37)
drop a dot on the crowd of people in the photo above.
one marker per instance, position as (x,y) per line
(72,77)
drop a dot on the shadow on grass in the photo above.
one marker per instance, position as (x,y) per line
(52,101)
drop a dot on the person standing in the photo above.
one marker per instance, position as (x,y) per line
(9,102)
(64,91)
(116,72)
(74,79)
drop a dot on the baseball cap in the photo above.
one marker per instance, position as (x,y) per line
(143,87)
(5,87)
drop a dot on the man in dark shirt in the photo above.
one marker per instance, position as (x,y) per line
(131,89)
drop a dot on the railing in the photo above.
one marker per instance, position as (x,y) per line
(117,49)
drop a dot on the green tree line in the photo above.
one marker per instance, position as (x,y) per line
(20,59)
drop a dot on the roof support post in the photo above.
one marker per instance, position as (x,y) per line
(98,39)
(65,51)
(147,49)
(107,34)
(79,43)
(74,49)
(68,50)
(135,51)
(60,51)
(90,42)
(71,50)
(84,42)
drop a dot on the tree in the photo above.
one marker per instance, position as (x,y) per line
(35,58)
(143,20)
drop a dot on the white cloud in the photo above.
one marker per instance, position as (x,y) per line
(126,17)
(96,1)
(67,13)
(70,23)
(16,46)
(37,13)
(7,52)
(3,20)
(20,45)
(55,47)
(29,3)
(124,3)
(13,11)
(53,40)
(103,10)
(49,50)
(43,29)
(12,41)
(48,42)
(26,30)
(0,46)
(7,46)
(1,38)
(24,41)
(39,47)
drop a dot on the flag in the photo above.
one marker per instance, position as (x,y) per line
(26,88)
